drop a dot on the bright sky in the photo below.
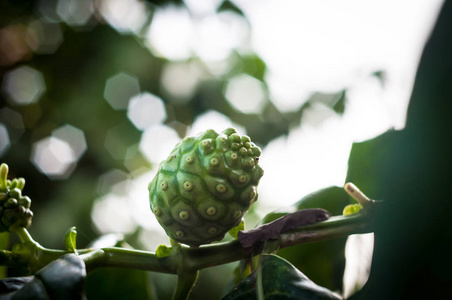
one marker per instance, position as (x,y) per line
(327,46)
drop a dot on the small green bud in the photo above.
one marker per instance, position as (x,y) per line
(3,177)
(162,251)
(70,239)
(352,209)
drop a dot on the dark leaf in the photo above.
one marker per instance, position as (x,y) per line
(12,284)
(411,258)
(35,290)
(62,279)
(280,280)
(365,164)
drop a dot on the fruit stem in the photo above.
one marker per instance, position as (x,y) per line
(24,235)
(185,283)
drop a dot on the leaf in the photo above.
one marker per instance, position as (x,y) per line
(280,280)
(61,279)
(12,284)
(229,6)
(70,239)
(254,65)
(339,105)
(64,278)
(332,198)
(234,232)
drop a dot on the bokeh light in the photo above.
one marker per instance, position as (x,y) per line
(114,142)
(358,253)
(75,12)
(13,45)
(57,156)
(246,94)
(285,91)
(4,139)
(126,16)
(146,110)
(44,37)
(47,9)
(171,33)
(53,157)
(217,35)
(157,141)
(119,89)
(180,79)
(108,181)
(213,120)
(202,8)
(13,121)
(23,85)
(112,214)
(74,137)
(308,159)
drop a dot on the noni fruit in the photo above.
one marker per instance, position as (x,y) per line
(14,207)
(205,186)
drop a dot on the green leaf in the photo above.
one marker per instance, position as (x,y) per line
(254,65)
(234,232)
(339,105)
(366,173)
(280,280)
(70,239)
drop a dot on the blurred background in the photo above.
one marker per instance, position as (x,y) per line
(95,93)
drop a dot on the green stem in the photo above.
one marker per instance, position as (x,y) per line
(185,283)
(194,259)
(24,235)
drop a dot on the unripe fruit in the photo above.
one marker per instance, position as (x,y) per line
(205,186)
(14,208)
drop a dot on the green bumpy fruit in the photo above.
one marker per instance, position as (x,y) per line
(14,208)
(206,185)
